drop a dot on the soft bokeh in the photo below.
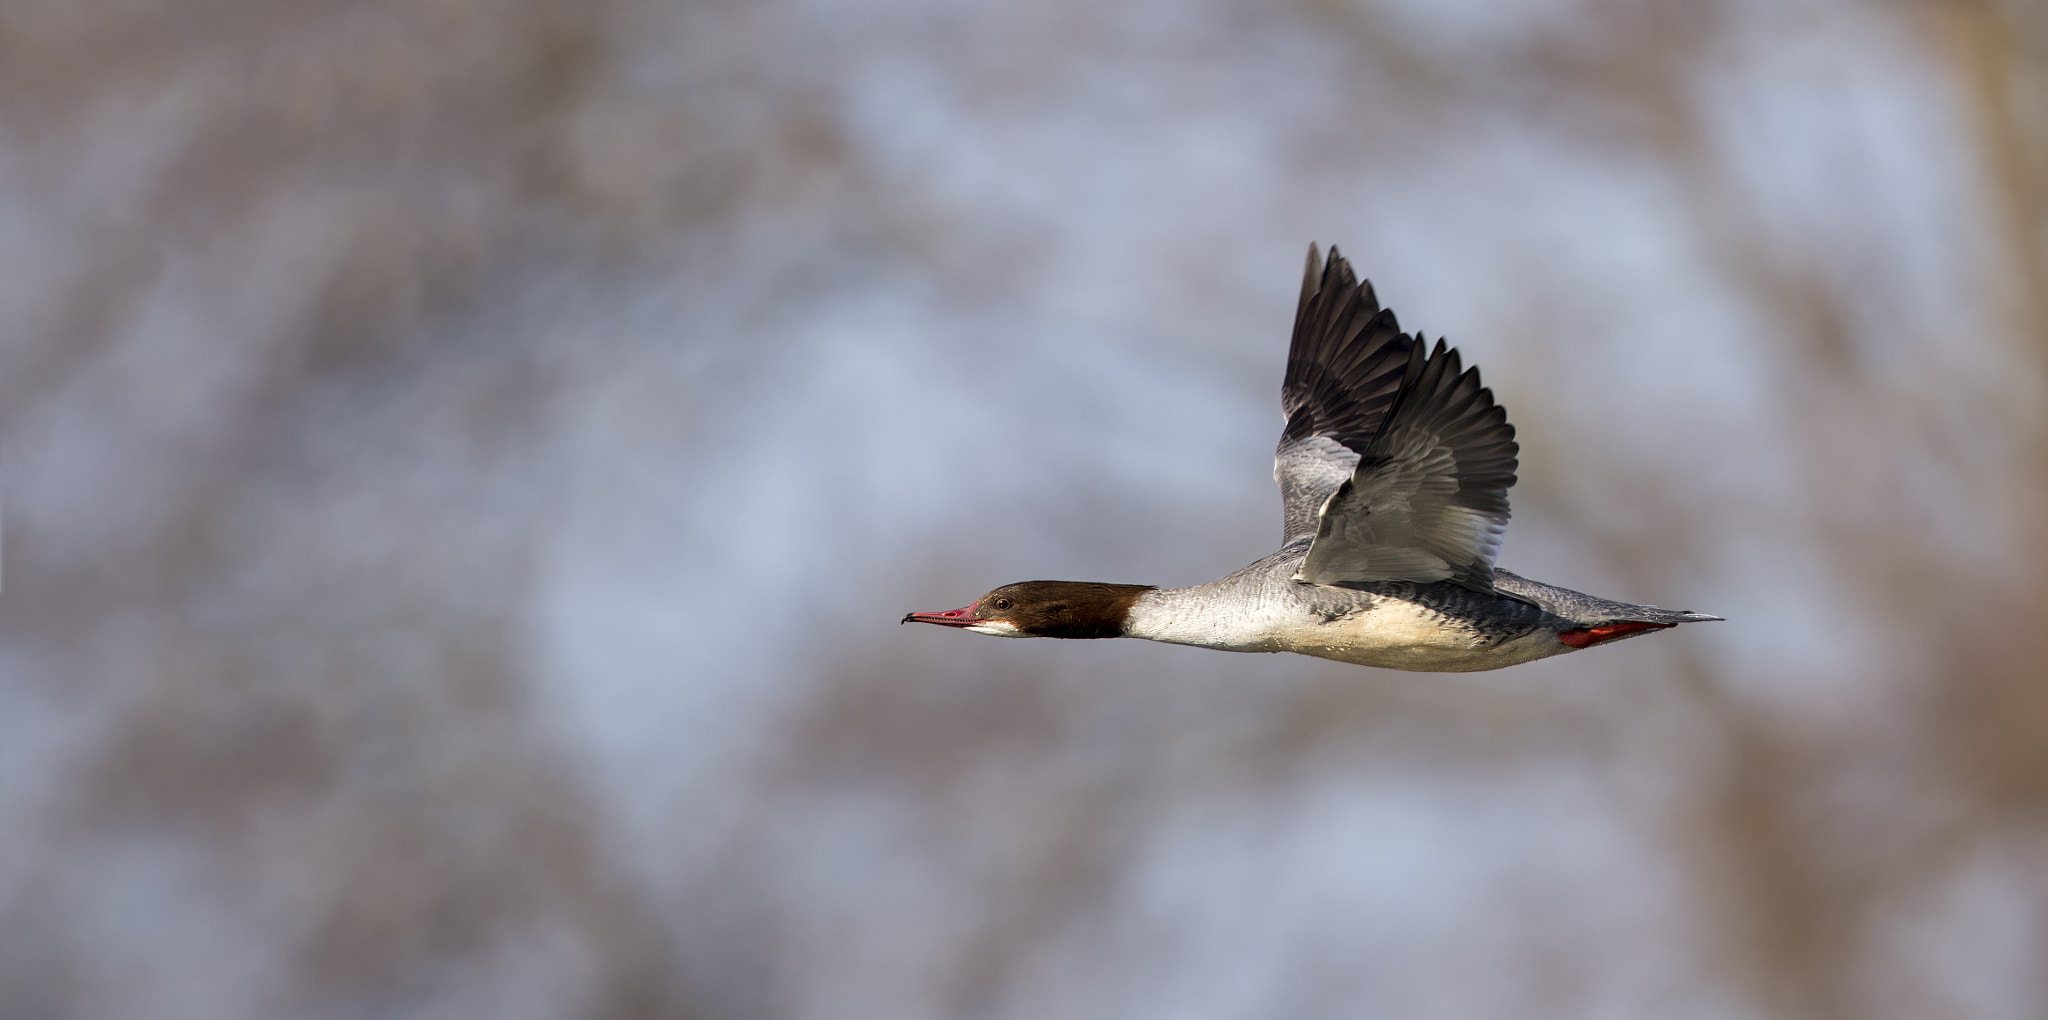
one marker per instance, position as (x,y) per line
(465,460)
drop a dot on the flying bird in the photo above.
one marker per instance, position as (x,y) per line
(1394,471)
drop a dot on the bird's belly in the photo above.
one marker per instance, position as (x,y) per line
(1394,634)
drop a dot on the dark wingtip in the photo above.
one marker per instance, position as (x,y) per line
(1311,279)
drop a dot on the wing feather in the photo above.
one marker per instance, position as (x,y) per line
(1345,367)
(1427,500)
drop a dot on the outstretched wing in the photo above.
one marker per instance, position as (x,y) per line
(1429,498)
(1344,370)
(1405,454)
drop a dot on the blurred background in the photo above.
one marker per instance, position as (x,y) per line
(465,461)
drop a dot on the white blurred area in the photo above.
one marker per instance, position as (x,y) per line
(465,459)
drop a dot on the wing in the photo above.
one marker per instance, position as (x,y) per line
(1428,499)
(1344,370)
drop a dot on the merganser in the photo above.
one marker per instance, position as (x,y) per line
(1394,471)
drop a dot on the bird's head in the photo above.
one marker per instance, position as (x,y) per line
(1057,609)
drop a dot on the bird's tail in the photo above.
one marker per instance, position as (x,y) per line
(1590,611)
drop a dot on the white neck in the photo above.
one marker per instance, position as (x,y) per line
(1205,617)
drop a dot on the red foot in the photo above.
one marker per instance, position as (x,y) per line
(1585,638)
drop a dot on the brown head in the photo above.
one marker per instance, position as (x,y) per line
(1061,609)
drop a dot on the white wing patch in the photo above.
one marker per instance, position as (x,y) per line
(1309,471)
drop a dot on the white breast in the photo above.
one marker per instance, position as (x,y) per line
(1403,635)
(1393,633)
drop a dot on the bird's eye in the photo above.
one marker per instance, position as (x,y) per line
(1002,603)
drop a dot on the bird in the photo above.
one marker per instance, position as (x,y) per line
(1394,469)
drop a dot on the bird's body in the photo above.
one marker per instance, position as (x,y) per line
(1440,626)
(1393,471)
